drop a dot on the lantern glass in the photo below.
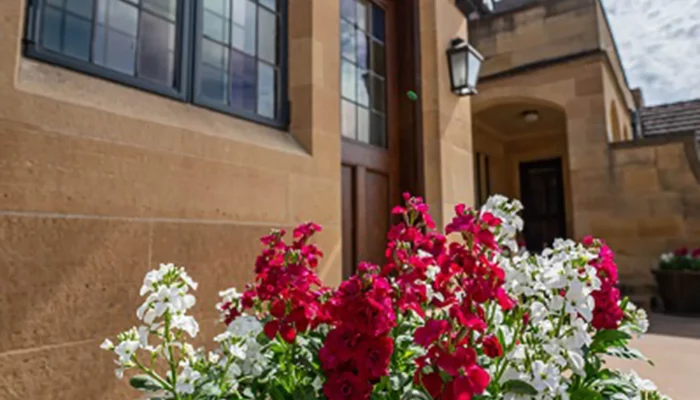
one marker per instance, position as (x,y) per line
(473,69)
(458,66)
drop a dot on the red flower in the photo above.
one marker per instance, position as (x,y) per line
(431,332)
(682,252)
(346,386)
(339,347)
(492,347)
(696,253)
(374,355)
(432,382)
(474,381)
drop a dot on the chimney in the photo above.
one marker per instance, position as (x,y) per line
(638,97)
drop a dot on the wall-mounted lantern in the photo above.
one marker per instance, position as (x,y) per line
(464,62)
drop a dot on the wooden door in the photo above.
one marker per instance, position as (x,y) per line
(542,194)
(370,145)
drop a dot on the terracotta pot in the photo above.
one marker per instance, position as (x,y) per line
(679,290)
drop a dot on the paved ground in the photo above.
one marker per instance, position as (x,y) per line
(674,345)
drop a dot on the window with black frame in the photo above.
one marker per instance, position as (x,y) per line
(232,61)
(238,55)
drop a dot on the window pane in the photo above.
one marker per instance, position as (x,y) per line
(214,71)
(214,54)
(120,52)
(51,29)
(164,8)
(214,83)
(378,130)
(362,52)
(348,119)
(157,45)
(363,124)
(76,39)
(347,9)
(271,4)
(362,14)
(347,40)
(378,58)
(266,90)
(267,35)
(348,81)
(216,26)
(220,7)
(378,98)
(363,82)
(244,26)
(378,22)
(80,7)
(123,17)
(57,3)
(243,81)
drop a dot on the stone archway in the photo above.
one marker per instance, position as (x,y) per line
(520,150)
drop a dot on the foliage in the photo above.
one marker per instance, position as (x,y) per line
(680,260)
(472,317)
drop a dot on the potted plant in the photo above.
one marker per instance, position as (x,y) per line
(678,281)
(478,318)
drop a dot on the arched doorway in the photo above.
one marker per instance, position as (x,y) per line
(520,150)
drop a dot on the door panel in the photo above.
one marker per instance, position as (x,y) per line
(377,215)
(348,204)
(542,194)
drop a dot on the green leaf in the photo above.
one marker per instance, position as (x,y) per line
(144,383)
(628,354)
(586,394)
(412,95)
(519,387)
(606,338)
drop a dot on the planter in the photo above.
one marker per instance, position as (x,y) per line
(679,290)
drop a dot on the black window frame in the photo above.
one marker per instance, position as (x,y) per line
(187,57)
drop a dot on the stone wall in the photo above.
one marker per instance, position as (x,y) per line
(547,30)
(654,206)
(100,182)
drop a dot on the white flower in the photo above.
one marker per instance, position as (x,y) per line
(245,326)
(317,383)
(237,351)
(186,323)
(125,350)
(186,380)
(119,373)
(107,345)
(666,257)
(214,357)
(545,376)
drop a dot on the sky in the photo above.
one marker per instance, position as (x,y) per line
(659,43)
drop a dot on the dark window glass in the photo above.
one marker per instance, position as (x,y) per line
(239,61)
(378,23)
(156,49)
(241,37)
(363,71)
(126,36)
(243,81)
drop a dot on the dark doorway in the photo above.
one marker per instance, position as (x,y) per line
(542,194)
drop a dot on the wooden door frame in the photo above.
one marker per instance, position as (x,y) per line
(411,154)
(404,163)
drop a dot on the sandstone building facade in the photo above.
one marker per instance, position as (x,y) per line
(138,132)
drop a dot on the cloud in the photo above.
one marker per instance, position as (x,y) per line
(659,42)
